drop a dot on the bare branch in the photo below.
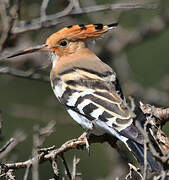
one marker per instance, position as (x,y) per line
(31,74)
(6,145)
(43,8)
(39,137)
(1,121)
(26,172)
(133,168)
(8,17)
(160,113)
(71,144)
(7,22)
(74,9)
(55,169)
(35,163)
(66,166)
(9,175)
(45,132)
(75,162)
(38,23)
(19,136)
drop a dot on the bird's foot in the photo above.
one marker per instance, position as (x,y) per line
(84,137)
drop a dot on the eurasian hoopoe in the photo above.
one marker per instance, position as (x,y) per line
(89,88)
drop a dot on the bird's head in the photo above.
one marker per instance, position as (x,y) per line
(69,39)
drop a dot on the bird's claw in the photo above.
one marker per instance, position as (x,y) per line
(83,137)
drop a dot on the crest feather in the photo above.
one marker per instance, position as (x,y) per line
(79,32)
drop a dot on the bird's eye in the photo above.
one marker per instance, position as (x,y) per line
(63,43)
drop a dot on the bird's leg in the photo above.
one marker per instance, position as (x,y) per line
(84,137)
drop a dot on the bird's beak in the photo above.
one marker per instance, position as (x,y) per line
(43,47)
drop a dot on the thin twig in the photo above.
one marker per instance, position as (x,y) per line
(43,8)
(161,113)
(45,132)
(133,168)
(18,137)
(31,74)
(1,122)
(66,166)
(9,175)
(146,140)
(75,162)
(55,169)
(35,164)
(8,18)
(27,172)
(6,145)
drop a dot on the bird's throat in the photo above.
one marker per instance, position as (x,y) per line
(53,58)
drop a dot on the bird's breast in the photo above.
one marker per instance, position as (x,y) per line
(58,88)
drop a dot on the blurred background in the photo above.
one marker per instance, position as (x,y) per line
(138,51)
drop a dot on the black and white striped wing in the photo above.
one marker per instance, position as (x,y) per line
(95,97)
(100,105)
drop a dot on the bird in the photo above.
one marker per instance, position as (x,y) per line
(89,89)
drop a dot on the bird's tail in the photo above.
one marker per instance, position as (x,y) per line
(138,151)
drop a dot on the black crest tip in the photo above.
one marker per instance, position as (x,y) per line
(98,26)
(82,26)
(70,26)
(113,25)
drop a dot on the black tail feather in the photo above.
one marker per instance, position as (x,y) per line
(138,151)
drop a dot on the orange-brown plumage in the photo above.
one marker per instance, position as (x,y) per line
(76,36)
(83,58)
(76,32)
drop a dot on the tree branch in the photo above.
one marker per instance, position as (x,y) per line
(71,9)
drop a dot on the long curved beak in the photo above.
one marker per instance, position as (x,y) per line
(43,47)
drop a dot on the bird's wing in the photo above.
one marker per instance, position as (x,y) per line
(98,97)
